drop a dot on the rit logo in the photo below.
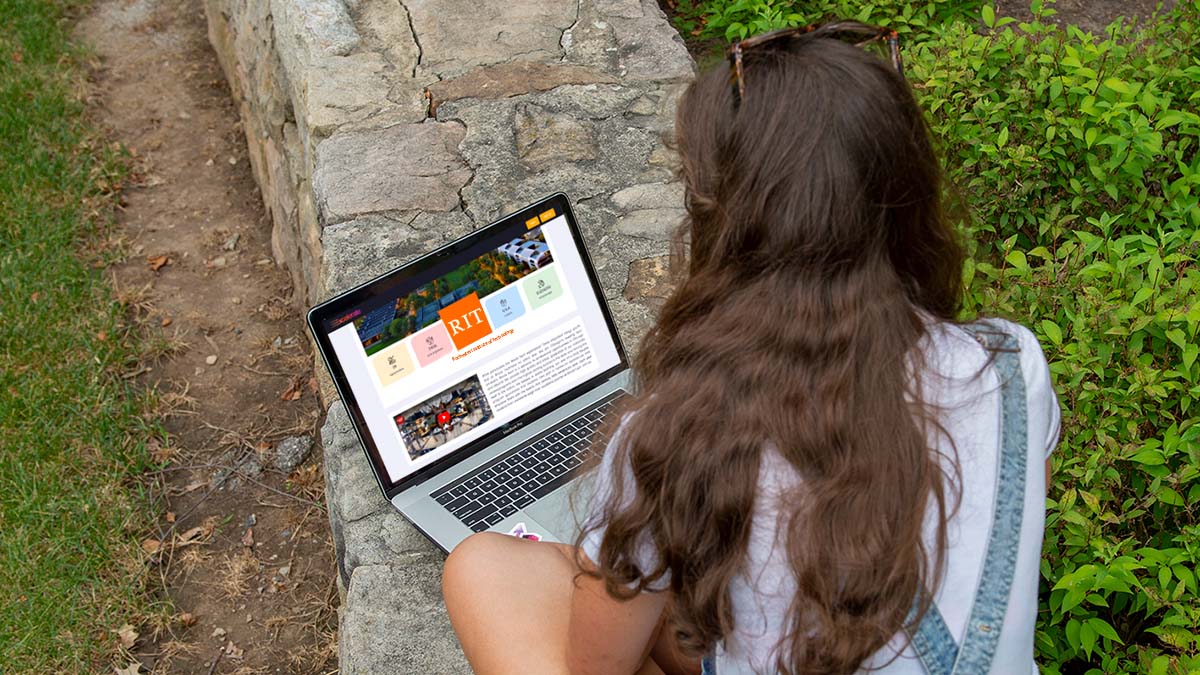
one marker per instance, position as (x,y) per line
(465,320)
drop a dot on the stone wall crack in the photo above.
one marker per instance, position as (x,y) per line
(566,38)
(416,40)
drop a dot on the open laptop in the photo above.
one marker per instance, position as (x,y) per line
(476,375)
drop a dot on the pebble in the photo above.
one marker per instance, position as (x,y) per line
(211,360)
(236,301)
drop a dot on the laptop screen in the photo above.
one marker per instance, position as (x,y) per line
(461,349)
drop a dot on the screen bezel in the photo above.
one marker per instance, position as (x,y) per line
(319,316)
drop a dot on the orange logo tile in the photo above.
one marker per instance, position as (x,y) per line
(465,320)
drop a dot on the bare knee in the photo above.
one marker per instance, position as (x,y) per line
(465,562)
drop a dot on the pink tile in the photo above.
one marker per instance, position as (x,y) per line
(431,344)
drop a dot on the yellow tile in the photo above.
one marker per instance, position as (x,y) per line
(545,215)
(531,223)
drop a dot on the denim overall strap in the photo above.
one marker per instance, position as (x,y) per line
(932,640)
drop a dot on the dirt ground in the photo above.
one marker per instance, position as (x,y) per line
(1090,15)
(247,561)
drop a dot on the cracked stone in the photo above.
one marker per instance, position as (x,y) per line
(394,621)
(590,41)
(361,249)
(545,139)
(383,537)
(458,35)
(342,89)
(510,79)
(405,167)
(384,25)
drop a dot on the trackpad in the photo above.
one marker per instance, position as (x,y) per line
(563,511)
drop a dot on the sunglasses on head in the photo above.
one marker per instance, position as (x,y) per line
(858,34)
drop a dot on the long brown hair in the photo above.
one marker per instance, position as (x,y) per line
(815,250)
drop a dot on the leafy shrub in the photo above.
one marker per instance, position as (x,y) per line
(737,19)
(1077,158)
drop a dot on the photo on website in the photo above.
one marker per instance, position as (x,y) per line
(490,272)
(444,417)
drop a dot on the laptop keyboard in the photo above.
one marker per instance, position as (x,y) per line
(524,474)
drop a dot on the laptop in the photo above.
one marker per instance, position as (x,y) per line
(476,375)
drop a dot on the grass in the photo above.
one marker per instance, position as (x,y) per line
(72,433)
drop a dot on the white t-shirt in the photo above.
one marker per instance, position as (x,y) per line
(969,400)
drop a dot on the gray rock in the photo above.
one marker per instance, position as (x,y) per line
(337,433)
(405,167)
(351,490)
(510,79)
(395,622)
(291,452)
(343,89)
(628,9)
(354,493)
(457,35)
(384,26)
(649,48)
(384,538)
(546,139)
(323,25)
(651,223)
(235,467)
(649,196)
(361,249)
(590,41)
(590,101)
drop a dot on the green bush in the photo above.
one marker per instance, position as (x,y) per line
(736,19)
(1077,157)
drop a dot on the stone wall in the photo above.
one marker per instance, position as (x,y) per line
(379,129)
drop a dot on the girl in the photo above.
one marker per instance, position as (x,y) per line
(823,471)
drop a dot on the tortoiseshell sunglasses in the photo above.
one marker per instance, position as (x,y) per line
(858,34)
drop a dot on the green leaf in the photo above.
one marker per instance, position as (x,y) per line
(1102,628)
(989,16)
(1142,295)
(1118,86)
(1002,138)
(1149,457)
(1087,638)
(1052,331)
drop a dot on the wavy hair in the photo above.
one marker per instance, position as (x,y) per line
(815,249)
